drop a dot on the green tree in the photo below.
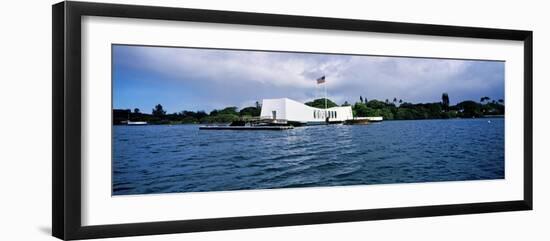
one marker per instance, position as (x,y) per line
(360,110)
(445,101)
(229,110)
(220,118)
(250,111)
(200,114)
(376,104)
(320,103)
(158,111)
(404,114)
(136,111)
(469,109)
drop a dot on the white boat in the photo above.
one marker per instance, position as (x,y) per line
(135,123)
(373,118)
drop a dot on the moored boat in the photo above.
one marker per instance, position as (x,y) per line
(136,123)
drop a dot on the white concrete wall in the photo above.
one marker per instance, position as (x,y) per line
(270,105)
(295,111)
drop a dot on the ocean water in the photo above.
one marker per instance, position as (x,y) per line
(182,158)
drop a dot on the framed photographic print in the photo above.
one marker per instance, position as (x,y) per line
(170,120)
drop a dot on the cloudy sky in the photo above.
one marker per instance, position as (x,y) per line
(206,79)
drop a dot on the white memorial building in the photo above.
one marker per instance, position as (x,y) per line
(285,109)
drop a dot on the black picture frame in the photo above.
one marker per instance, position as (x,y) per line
(66,158)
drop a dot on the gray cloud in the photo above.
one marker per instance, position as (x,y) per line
(222,78)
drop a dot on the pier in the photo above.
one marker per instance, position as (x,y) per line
(247,128)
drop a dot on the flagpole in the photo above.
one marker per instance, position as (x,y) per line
(316,92)
(325,84)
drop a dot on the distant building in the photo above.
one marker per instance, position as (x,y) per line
(285,109)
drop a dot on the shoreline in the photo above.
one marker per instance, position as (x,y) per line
(458,118)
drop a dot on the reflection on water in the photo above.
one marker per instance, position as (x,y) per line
(182,158)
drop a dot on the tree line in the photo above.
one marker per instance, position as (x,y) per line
(402,110)
(389,109)
(159,116)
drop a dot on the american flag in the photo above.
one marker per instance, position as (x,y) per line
(321,80)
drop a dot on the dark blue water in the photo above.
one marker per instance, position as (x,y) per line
(182,158)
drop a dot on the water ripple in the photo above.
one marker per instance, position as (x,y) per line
(180,158)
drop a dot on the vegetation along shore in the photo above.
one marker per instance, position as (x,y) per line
(389,109)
